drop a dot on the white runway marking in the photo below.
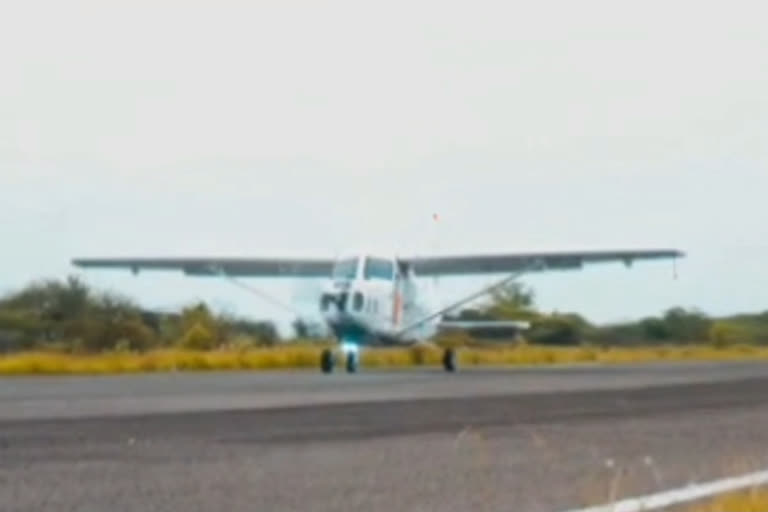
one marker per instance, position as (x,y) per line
(681,495)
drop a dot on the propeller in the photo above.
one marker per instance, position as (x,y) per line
(305,298)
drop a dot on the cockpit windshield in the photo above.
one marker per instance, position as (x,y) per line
(345,269)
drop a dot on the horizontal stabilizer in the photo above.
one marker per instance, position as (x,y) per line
(484,324)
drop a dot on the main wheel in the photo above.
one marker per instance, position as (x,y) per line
(327,361)
(352,362)
(449,360)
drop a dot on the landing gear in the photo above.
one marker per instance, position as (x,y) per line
(449,360)
(352,362)
(327,361)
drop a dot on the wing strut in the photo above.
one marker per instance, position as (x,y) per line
(220,271)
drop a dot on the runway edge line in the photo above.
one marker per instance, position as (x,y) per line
(680,495)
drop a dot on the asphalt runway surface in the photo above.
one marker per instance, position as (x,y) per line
(546,439)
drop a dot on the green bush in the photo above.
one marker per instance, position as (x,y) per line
(725,334)
(198,338)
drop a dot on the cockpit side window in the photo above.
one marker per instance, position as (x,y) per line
(378,268)
(345,269)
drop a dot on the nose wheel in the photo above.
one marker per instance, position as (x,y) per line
(328,361)
(352,362)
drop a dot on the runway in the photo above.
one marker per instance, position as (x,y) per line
(545,439)
(48,397)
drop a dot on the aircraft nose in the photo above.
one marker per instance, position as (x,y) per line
(334,302)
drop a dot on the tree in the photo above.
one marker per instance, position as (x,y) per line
(512,301)
(686,326)
(515,301)
(300,329)
(68,314)
(723,334)
(53,305)
(198,338)
(654,329)
(557,330)
(199,317)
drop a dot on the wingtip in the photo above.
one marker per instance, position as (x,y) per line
(81,262)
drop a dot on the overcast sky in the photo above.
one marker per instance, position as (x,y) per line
(247,128)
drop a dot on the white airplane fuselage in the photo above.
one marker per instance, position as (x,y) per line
(375,300)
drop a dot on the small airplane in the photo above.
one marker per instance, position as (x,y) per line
(370,298)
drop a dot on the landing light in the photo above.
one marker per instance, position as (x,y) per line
(349,348)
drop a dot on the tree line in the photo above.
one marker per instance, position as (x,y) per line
(676,325)
(68,315)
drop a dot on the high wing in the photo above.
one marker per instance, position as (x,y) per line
(423,266)
(530,262)
(240,267)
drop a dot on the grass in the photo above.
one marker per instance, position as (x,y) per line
(307,356)
(610,483)
(753,500)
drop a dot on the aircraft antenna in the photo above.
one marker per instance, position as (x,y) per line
(436,247)
(435,231)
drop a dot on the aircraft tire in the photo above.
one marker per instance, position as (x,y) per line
(449,360)
(327,361)
(352,362)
